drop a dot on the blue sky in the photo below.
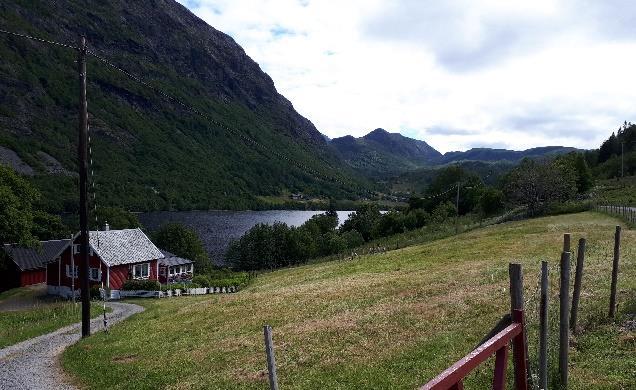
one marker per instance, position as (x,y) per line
(457,74)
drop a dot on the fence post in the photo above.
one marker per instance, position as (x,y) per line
(564,329)
(516,303)
(567,237)
(271,360)
(543,328)
(617,254)
(578,276)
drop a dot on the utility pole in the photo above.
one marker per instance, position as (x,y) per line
(622,159)
(82,153)
(457,214)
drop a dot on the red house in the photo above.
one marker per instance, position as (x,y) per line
(115,256)
(28,265)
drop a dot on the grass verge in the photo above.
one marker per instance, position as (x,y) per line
(20,325)
(383,321)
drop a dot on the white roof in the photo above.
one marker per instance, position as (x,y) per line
(128,246)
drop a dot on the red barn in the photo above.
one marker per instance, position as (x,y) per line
(115,257)
(28,265)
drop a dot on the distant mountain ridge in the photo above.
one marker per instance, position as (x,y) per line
(380,153)
(494,155)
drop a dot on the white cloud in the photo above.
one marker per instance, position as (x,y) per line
(491,72)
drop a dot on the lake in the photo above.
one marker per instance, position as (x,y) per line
(218,228)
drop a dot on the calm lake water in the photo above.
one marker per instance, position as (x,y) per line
(218,228)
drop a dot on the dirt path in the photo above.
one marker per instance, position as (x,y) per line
(34,363)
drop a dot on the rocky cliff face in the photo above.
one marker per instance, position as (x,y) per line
(143,144)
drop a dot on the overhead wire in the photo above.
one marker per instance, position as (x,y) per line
(38,39)
(306,169)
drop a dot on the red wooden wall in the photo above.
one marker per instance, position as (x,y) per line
(34,276)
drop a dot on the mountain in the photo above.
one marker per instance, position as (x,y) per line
(150,152)
(382,154)
(493,155)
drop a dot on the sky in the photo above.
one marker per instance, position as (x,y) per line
(457,74)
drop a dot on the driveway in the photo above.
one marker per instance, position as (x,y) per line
(34,363)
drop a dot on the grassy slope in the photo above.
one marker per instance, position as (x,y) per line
(382,321)
(620,192)
(16,326)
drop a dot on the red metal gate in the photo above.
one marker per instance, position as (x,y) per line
(452,377)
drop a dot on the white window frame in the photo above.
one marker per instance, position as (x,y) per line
(68,271)
(138,271)
(98,278)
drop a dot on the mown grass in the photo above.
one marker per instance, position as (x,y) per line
(384,321)
(20,325)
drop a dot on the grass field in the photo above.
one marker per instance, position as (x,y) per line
(40,317)
(384,321)
(620,192)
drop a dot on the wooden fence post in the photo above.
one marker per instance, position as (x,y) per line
(617,254)
(564,329)
(271,360)
(566,242)
(578,276)
(516,303)
(543,328)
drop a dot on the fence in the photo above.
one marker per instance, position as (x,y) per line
(628,213)
(513,328)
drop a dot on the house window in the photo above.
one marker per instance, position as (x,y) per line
(70,274)
(96,274)
(189,268)
(162,271)
(76,249)
(141,271)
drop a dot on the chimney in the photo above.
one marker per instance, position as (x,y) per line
(106,226)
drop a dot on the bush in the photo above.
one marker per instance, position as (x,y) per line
(94,292)
(145,285)
(201,280)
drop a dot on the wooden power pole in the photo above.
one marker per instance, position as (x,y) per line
(82,153)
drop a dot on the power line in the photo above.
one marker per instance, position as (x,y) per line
(303,167)
(39,39)
(306,169)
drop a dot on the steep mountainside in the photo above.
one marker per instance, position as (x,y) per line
(383,154)
(492,155)
(149,152)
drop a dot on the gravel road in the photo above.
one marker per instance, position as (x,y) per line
(34,363)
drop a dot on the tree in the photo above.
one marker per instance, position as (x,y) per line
(184,242)
(491,202)
(117,218)
(537,183)
(16,208)
(363,220)
(21,220)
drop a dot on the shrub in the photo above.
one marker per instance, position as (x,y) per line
(146,285)
(94,292)
(201,280)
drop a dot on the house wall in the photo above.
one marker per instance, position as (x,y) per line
(120,273)
(53,279)
(34,276)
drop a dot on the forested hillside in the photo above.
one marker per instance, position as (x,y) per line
(150,152)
